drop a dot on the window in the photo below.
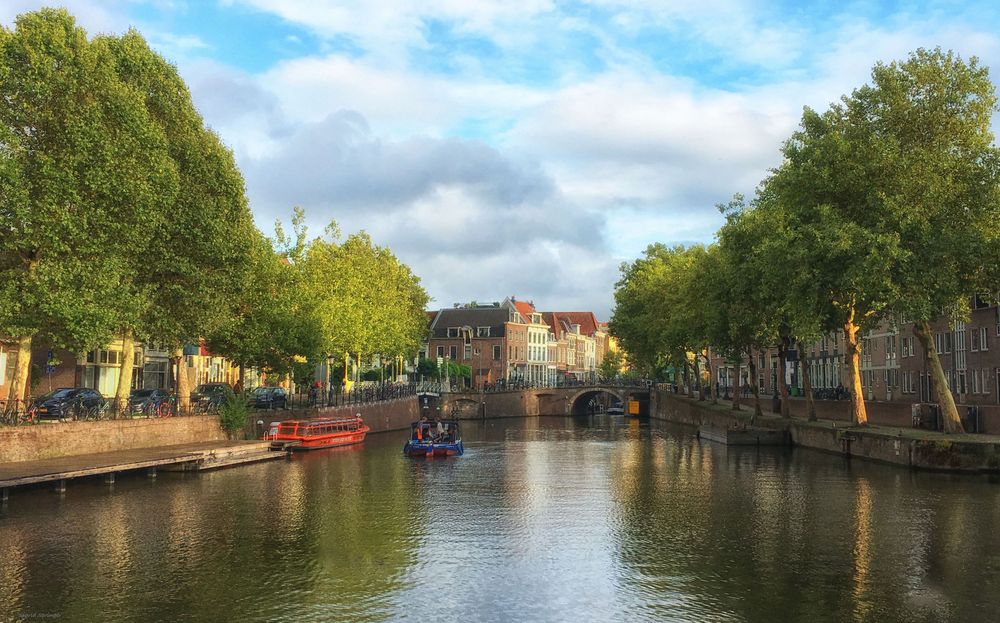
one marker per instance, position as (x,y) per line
(482,331)
(984,336)
(975,341)
(468,351)
(453,352)
(496,351)
(976,381)
(452,331)
(440,351)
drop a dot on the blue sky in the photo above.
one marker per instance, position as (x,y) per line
(520,147)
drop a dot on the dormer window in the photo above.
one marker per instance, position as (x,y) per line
(452,331)
(482,331)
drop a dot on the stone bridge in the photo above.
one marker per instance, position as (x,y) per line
(570,400)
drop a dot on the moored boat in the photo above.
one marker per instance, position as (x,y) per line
(430,438)
(317,434)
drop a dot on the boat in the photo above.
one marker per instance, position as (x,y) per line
(317,434)
(430,438)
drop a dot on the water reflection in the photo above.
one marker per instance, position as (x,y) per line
(543,519)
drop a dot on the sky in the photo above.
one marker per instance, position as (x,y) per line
(520,147)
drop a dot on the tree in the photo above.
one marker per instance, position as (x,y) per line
(198,260)
(889,195)
(611,365)
(83,170)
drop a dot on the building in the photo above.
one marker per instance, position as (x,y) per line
(512,341)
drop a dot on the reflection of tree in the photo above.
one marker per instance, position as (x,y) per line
(862,551)
(763,536)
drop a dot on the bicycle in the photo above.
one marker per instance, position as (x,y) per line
(17,412)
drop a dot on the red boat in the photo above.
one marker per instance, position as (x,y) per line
(316,434)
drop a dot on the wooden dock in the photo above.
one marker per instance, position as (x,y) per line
(186,457)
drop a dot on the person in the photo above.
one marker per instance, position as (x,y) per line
(424,429)
(313,393)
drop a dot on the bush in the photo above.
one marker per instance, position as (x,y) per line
(234,413)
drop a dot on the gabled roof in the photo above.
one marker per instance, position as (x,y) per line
(525,309)
(560,322)
(493,317)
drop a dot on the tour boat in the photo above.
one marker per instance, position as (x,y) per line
(431,438)
(316,434)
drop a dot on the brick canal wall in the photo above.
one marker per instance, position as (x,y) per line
(50,440)
(933,451)
(380,417)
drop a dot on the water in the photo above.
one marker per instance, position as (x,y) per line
(543,519)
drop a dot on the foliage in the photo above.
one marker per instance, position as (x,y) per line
(611,365)
(84,174)
(885,205)
(234,413)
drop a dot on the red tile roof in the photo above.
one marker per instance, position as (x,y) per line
(525,308)
(560,321)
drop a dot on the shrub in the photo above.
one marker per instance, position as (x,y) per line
(234,413)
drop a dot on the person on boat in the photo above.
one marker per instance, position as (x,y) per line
(423,428)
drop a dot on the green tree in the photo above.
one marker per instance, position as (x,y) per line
(889,196)
(199,258)
(84,173)
(611,365)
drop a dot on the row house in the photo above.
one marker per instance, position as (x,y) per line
(514,342)
(490,339)
(581,343)
(100,368)
(893,365)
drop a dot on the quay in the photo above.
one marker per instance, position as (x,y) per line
(182,457)
(896,445)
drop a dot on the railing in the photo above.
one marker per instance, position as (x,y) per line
(363,394)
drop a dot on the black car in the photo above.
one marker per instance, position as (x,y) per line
(66,403)
(212,394)
(269,398)
(151,402)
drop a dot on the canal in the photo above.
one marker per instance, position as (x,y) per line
(543,519)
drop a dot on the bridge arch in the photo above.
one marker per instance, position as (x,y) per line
(578,402)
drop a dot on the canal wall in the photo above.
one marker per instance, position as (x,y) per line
(50,440)
(518,403)
(380,416)
(903,446)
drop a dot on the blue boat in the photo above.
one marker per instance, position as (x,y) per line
(430,438)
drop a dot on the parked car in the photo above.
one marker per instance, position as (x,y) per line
(152,402)
(269,398)
(67,402)
(212,394)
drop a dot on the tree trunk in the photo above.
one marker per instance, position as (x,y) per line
(687,378)
(783,344)
(807,384)
(949,412)
(697,378)
(756,389)
(20,384)
(126,370)
(183,386)
(737,387)
(711,386)
(852,352)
